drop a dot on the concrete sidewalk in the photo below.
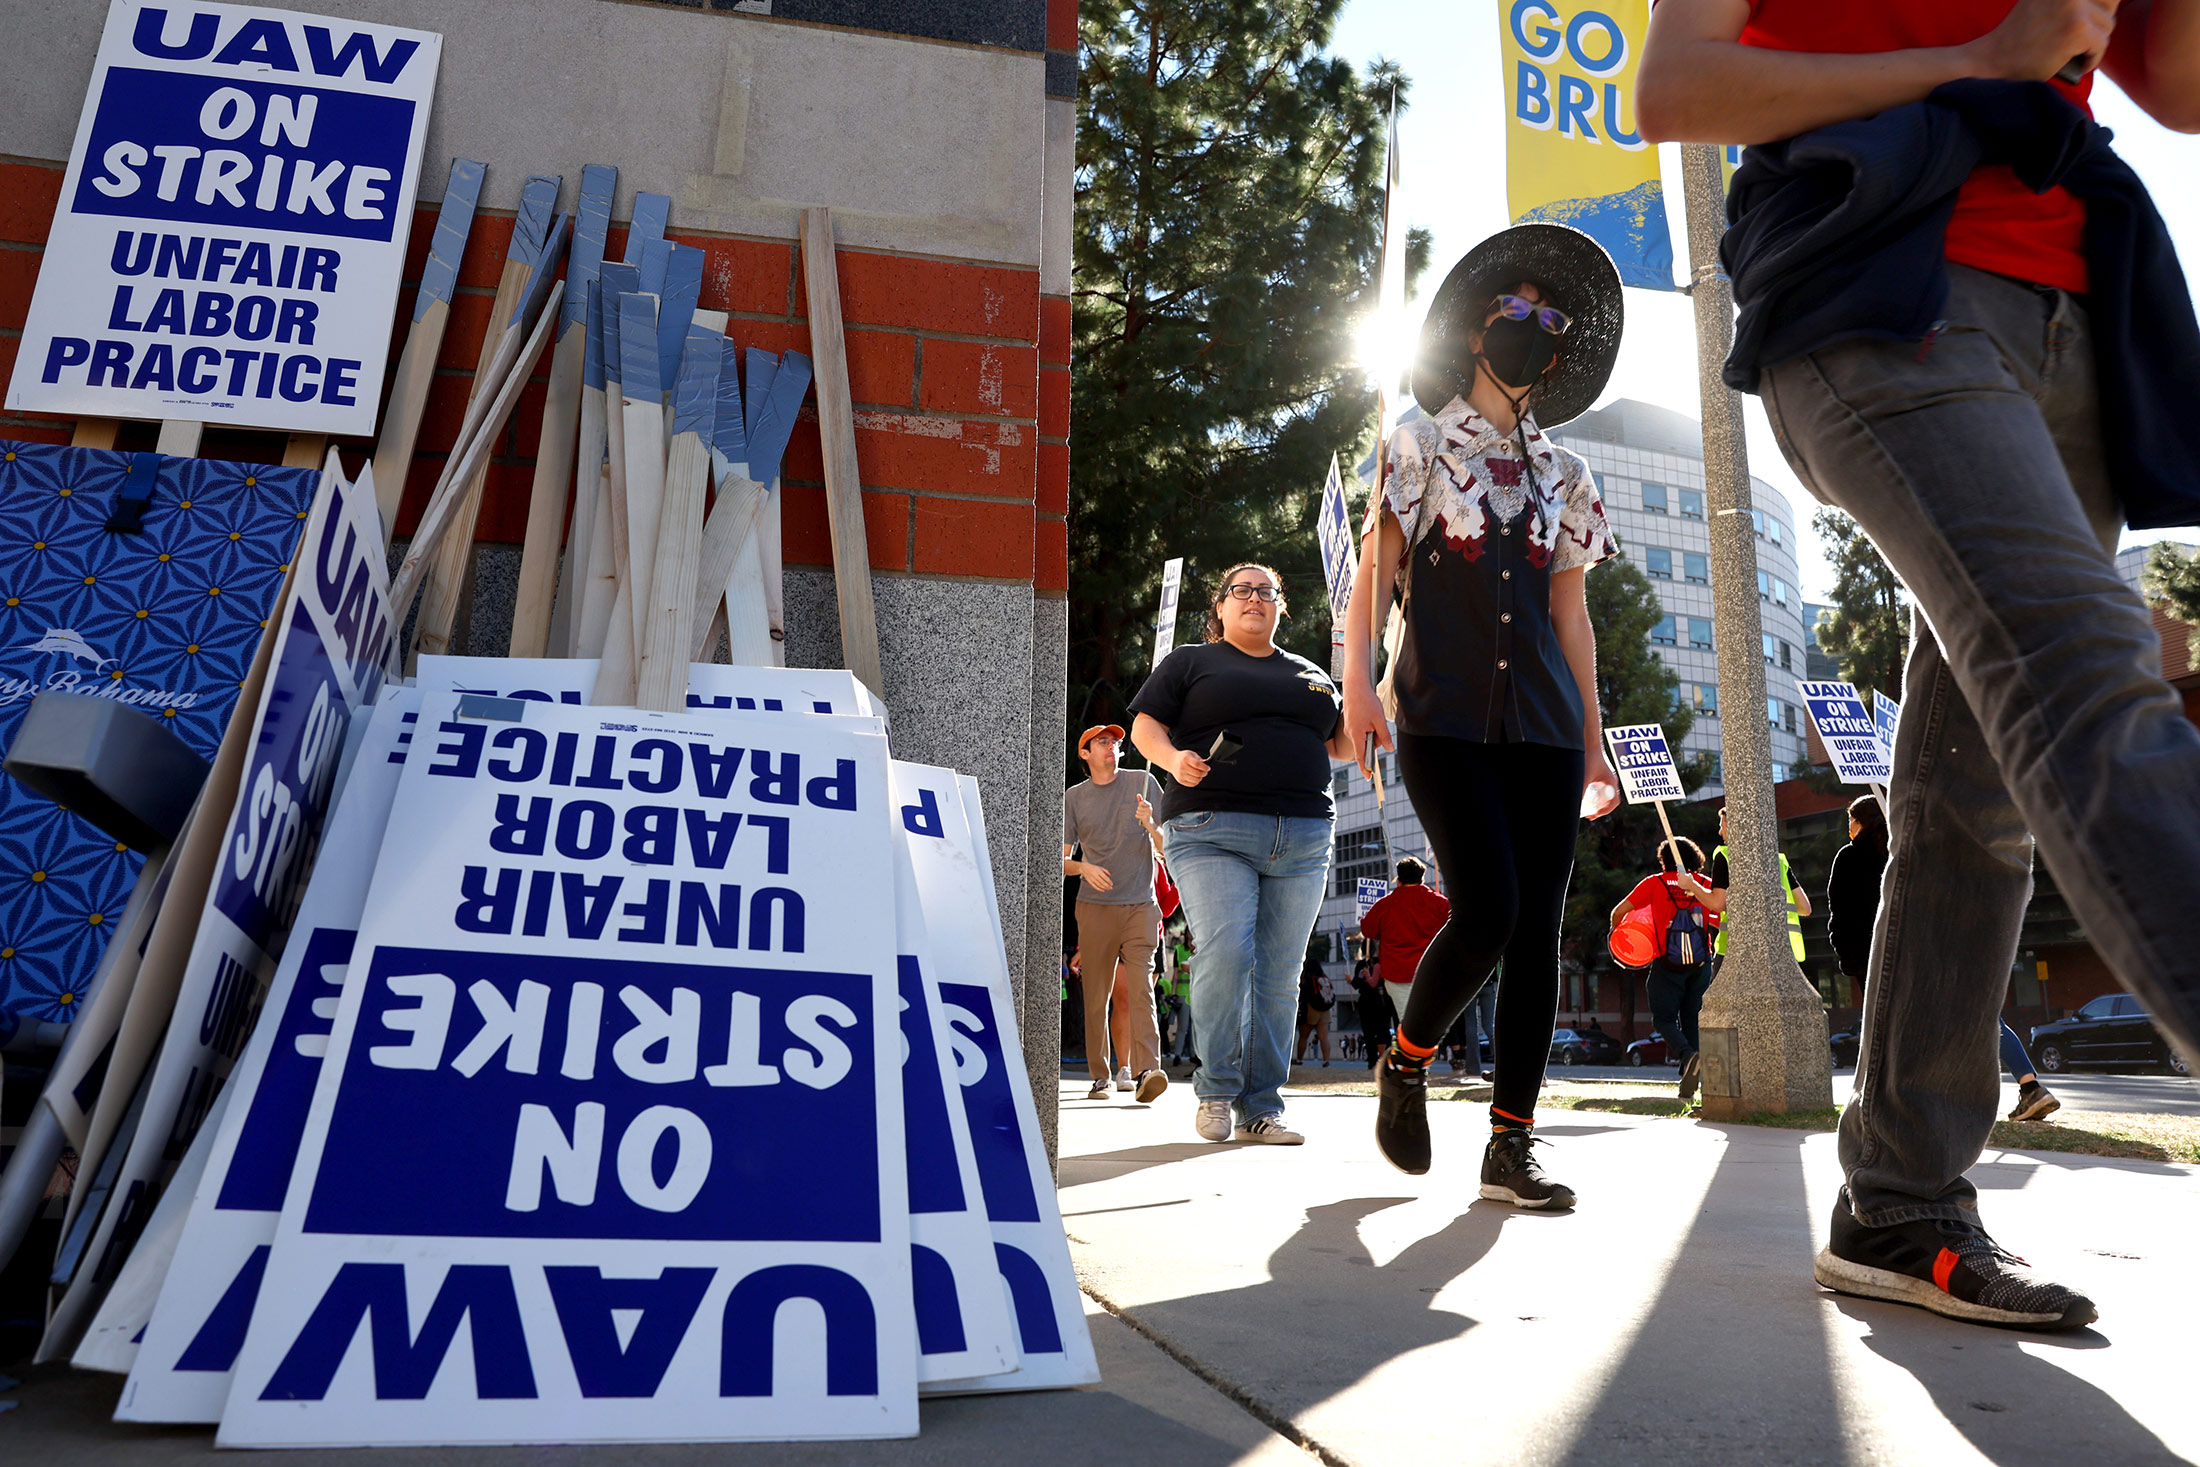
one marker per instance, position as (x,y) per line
(1381,1318)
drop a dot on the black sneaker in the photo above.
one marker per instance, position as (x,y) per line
(1689,1067)
(2035,1102)
(1951,1268)
(1401,1117)
(1510,1173)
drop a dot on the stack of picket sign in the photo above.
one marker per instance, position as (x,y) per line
(596,1044)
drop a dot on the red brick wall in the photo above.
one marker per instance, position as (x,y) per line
(962,439)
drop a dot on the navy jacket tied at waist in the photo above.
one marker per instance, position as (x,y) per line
(1840,232)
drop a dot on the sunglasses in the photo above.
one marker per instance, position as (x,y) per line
(1550,318)
(1246,591)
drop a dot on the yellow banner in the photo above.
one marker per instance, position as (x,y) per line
(1572,155)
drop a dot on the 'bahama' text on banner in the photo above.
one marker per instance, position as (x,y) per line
(1573,154)
(232,226)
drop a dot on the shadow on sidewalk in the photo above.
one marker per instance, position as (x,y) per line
(2000,1396)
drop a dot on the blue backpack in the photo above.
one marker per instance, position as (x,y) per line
(1687,940)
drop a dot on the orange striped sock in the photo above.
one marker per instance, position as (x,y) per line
(1505,1120)
(1408,1057)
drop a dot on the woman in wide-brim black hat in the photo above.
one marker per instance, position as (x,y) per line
(1486,530)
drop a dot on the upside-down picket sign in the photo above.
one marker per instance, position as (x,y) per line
(625,984)
(232,225)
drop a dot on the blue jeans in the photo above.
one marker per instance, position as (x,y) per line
(2013,1057)
(1676,998)
(1252,887)
(2033,709)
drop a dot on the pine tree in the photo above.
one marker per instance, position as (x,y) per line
(1868,626)
(1228,218)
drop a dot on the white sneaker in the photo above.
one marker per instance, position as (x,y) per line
(1270,1131)
(1099,1090)
(1213,1123)
(1150,1086)
(1123,1079)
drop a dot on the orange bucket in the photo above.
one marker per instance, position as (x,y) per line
(1634,945)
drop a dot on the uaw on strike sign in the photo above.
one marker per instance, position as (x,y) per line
(608,1139)
(233,222)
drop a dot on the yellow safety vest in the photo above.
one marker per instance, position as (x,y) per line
(1795,917)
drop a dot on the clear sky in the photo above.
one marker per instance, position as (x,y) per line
(1451,141)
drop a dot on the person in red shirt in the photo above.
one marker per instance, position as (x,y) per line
(1403,923)
(1676,989)
(1976,451)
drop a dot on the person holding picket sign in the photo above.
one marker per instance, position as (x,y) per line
(1247,731)
(1487,529)
(1681,971)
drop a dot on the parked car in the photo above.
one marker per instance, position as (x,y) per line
(1844,1046)
(2110,1030)
(1649,1051)
(1584,1047)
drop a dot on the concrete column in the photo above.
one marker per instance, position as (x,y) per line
(1763,1028)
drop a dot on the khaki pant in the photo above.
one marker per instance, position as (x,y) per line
(1115,952)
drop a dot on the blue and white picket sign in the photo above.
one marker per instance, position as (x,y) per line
(167,620)
(232,225)
(625,987)
(332,634)
(1032,1253)
(711,685)
(1886,719)
(181,1371)
(1644,763)
(1340,560)
(1848,732)
(1370,891)
(963,1325)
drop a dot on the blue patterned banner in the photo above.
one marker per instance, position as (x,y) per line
(166,620)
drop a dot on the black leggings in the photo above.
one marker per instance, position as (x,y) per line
(1501,821)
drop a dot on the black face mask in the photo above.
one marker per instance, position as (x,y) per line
(1517,352)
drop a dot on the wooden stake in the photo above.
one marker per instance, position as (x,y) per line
(467,456)
(305,451)
(531,232)
(666,629)
(415,373)
(641,408)
(837,430)
(95,433)
(179,438)
(554,450)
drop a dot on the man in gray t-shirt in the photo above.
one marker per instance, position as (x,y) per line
(1108,821)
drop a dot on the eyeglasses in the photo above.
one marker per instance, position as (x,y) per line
(1246,591)
(1550,318)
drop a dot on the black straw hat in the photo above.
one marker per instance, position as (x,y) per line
(1574,274)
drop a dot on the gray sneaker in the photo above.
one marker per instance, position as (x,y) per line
(2035,1102)
(1213,1121)
(1150,1086)
(1100,1089)
(1123,1078)
(1270,1130)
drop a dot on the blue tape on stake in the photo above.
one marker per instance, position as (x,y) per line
(729,437)
(615,280)
(136,497)
(695,398)
(537,202)
(638,377)
(682,288)
(592,356)
(775,424)
(591,222)
(453,222)
(763,366)
(651,213)
(656,262)
(539,284)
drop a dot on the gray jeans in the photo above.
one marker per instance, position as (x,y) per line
(2033,708)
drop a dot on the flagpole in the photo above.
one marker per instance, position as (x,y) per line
(1378,618)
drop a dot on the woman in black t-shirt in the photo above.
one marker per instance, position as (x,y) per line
(1247,731)
(1487,528)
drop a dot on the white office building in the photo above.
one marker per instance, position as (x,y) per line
(1648,464)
